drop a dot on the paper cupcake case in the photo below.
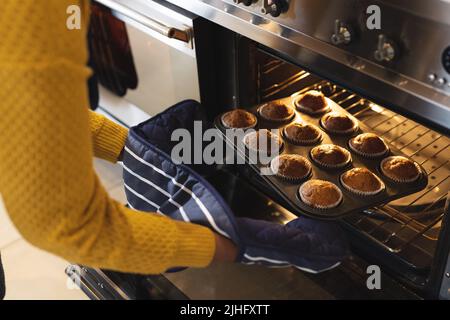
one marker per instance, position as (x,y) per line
(302,142)
(350,131)
(283,120)
(272,150)
(319,207)
(351,203)
(245,128)
(288,178)
(401,181)
(329,166)
(369,155)
(363,193)
(311,112)
(299,107)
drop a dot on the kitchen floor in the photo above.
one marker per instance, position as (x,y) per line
(34,274)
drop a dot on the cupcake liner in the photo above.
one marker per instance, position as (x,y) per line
(303,142)
(363,193)
(300,108)
(288,178)
(334,205)
(368,155)
(245,128)
(286,119)
(272,150)
(400,180)
(329,166)
(342,132)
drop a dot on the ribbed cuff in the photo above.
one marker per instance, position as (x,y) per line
(196,246)
(110,141)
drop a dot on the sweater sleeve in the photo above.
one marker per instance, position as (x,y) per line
(108,137)
(47,179)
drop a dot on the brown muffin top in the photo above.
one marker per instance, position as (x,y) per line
(400,168)
(238,118)
(255,141)
(276,110)
(330,155)
(362,180)
(368,143)
(291,166)
(320,194)
(299,132)
(339,122)
(313,101)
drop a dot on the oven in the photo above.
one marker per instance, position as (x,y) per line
(396,80)
(144,56)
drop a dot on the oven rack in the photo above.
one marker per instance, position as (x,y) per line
(409,226)
(389,240)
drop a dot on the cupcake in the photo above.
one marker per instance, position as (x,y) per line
(263,141)
(276,111)
(291,167)
(400,169)
(362,181)
(320,194)
(239,119)
(302,133)
(312,102)
(339,123)
(368,145)
(330,156)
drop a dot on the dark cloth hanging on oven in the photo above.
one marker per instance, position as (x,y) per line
(154,183)
(110,51)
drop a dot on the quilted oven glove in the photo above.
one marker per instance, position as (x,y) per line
(155,183)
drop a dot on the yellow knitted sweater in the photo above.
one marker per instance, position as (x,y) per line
(47,142)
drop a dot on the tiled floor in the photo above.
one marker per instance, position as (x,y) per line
(34,274)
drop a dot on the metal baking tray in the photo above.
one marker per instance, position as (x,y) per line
(351,203)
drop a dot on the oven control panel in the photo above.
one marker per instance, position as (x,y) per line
(244,2)
(273,8)
(441,78)
(412,41)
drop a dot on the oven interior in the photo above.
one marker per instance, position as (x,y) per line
(403,234)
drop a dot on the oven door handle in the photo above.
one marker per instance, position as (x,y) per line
(153,24)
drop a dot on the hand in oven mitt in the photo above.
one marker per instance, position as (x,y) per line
(309,245)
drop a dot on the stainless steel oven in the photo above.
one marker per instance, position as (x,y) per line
(160,39)
(395,79)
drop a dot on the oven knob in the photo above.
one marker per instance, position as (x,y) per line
(244,2)
(440,82)
(431,77)
(274,7)
(342,33)
(385,50)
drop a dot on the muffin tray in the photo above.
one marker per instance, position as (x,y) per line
(351,203)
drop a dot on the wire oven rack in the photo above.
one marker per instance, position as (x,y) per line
(408,227)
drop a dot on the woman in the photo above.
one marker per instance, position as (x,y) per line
(47,141)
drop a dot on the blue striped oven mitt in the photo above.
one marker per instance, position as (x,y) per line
(155,183)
